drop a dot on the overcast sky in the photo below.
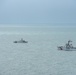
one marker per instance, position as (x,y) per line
(37,11)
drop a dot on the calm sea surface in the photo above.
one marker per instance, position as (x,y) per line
(40,55)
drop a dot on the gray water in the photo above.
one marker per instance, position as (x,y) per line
(40,55)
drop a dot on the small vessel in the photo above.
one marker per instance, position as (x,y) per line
(68,47)
(21,41)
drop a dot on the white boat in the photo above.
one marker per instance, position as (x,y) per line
(21,41)
(68,47)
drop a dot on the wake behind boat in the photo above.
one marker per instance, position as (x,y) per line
(68,46)
(21,41)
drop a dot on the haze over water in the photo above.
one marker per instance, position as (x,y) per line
(40,55)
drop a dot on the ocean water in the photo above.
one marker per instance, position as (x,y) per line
(40,55)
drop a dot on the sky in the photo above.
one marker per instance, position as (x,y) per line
(37,11)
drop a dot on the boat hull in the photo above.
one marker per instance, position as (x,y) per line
(20,41)
(66,49)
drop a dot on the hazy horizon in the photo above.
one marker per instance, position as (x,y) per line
(42,24)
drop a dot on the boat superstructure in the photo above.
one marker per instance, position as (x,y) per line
(68,46)
(21,41)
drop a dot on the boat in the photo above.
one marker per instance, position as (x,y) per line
(67,47)
(21,41)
